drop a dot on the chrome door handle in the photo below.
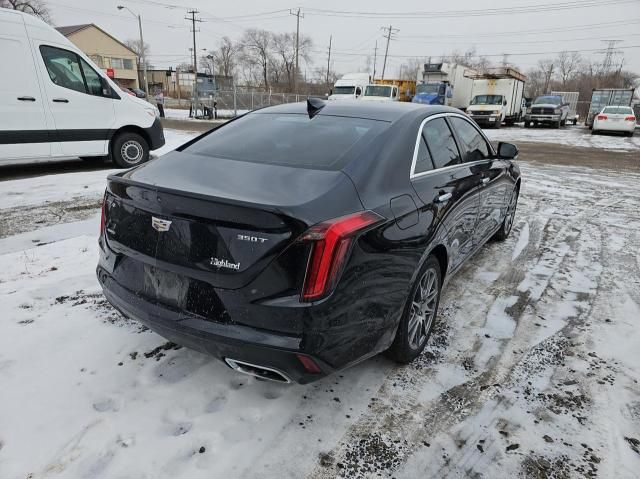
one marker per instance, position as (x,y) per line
(61,100)
(26,98)
(443,198)
(485,181)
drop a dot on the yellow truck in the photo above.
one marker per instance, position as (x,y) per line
(406,88)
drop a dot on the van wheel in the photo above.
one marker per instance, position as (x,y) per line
(129,149)
(419,314)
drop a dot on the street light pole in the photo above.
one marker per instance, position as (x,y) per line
(142,53)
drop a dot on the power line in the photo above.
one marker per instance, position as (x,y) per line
(497,54)
(545,7)
(537,31)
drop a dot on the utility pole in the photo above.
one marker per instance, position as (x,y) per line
(193,20)
(548,79)
(295,77)
(390,32)
(329,58)
(375,60)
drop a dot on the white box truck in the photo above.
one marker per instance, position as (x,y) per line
(444,84)
(496,97)
(350,86)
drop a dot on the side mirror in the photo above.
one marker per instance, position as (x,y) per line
(504,102)
(507,151)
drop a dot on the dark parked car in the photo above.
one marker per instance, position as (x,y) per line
(138,92)
(301,239)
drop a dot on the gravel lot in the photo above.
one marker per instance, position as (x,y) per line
(533,370)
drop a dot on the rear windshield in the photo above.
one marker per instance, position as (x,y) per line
(620,110)
(295,140)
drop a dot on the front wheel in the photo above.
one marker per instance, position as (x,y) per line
(527,124)
(505,228)
(419,314)
(129,149)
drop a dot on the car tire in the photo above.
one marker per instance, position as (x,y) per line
(593,132)
(419,314)
(527,124)
(505,228)
(557,124)
(129,150)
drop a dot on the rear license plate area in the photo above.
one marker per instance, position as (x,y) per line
(182,293)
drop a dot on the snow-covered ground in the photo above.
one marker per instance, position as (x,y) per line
(532,372)
(570,135)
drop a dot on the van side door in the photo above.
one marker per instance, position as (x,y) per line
(83,116)
(24,123)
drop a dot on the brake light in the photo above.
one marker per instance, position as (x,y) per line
(630,118)
(602,117)
(331,243)
(102,214)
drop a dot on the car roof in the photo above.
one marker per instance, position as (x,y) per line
(384,111)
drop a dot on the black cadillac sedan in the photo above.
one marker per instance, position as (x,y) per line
(300,239)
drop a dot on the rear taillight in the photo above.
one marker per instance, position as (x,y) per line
(630,118)
(331,242)
(602,117)
(102,215)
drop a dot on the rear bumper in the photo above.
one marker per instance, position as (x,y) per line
(223,341)
(486,119)
(621,126)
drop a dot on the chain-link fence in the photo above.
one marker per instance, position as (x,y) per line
(230,103)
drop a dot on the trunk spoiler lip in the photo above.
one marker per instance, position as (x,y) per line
(296,211)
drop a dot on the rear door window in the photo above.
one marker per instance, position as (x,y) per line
(475,146)
(289,139)
(442,147)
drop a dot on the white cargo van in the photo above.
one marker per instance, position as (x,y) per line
(56,104)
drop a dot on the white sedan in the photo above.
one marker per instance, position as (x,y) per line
(615,118)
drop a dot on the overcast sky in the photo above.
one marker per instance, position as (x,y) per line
(426,28)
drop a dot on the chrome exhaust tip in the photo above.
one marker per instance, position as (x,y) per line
(261,372)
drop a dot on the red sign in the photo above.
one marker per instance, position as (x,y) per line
(110,73)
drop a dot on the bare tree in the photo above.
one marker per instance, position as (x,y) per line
(225,57)
(256,47)
(569,63)
(135,46)
(34,7)
(284,49)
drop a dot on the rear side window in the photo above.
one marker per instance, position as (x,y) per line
(475,145)
(442,146)
(289,139)
(423,158)
(68,70)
